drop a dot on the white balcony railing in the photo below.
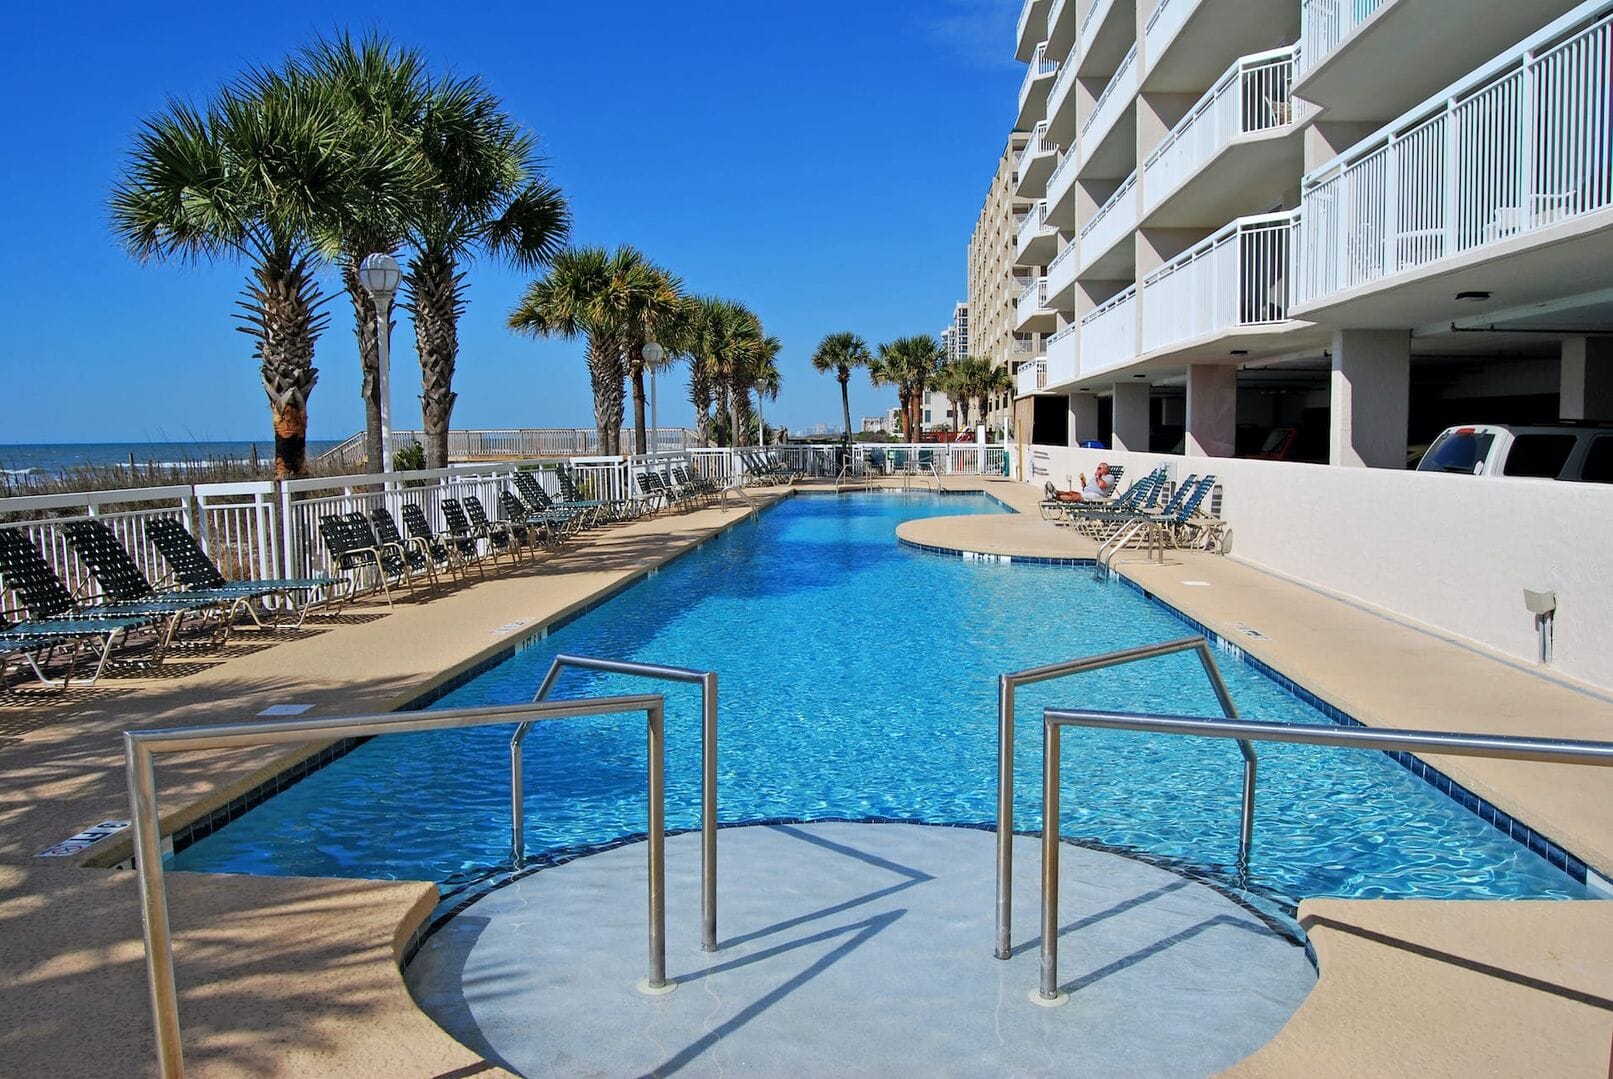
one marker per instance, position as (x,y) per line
(1114,220)
(1032,377)
(1061,355)
(1109,333)
(1061,270)
(1241,276)
(1252,97)
(1117,94)
(1023,346)
(1034,295)
(1066,78)
(1091,23)
(1041,66)
(1037,144)
(1168,17)
(1326,23)
(1522,144)
(1062,175)
(1034,224)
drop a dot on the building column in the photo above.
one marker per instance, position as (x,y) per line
(1131,420)
(1371,398)
(1212,409)
(1586,390)
(1083,418)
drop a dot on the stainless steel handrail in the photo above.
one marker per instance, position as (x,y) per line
(141,747)
(1504,747)
(707,681)
(1008,683)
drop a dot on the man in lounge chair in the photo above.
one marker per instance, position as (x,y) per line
(1100,487)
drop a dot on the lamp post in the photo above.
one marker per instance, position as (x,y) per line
(379,274)
(653,354)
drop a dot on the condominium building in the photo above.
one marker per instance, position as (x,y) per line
(955,338)
(994,282)
(1362,219)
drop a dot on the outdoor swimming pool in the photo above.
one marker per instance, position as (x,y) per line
(858,680)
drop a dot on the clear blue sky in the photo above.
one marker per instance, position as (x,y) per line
(820,162)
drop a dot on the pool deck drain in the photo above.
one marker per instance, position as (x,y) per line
(858,949)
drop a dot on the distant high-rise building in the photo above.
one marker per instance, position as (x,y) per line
(994,285)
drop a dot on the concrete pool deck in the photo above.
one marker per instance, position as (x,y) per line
(1517,987)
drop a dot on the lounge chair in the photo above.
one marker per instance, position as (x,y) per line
(420,556)
(1135,498)
(54,615)
(500,535)
(515,510)
(571,494)
(464,536)
(191,565)
(122,581)
(427,539)
(31,648)
(569,518)
(354,549)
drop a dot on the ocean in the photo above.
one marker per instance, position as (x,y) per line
(58,457)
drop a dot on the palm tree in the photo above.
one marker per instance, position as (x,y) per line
(911,365)
(576,299)
(996,381)
(654,309)
(259,174)
(488,195)
(709,320)
(729,355)
(385,91)
(840,352)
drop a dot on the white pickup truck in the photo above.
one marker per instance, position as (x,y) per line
(1569,450)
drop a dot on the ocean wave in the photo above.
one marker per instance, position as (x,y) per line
(17,471)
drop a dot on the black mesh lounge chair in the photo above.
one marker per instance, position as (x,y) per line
(463,535)
(417,555)
(503,536)
(32,649)
(192,566)
(420,532)
(122,580)
(353,549)
(53,613)
(655,490)
(569,518)
(572,495)
(516,510)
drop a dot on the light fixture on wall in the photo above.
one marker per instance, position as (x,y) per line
(1475,296)
(1543,605)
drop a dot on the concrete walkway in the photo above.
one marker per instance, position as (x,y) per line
(858,950)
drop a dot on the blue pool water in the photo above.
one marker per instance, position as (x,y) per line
(858,679)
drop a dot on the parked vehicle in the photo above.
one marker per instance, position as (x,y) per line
(1579,451)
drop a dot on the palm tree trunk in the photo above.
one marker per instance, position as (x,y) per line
(605,372)
(283,315)
(739,403)
(640,439)
(845,400)
(369,358)
(700,395)
(434,299)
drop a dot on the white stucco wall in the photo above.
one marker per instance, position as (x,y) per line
(1452,552)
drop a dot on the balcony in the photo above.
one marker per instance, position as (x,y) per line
(1032,376)
(1408,48)
(1188,43)
(1109,334)
(1035,164)
(1061,279)
(1511,163)
(1062,101)
(1032,314)
(1239,277)
(1032,28)
(1061,186)
(1033,91)
(1062,357)
(1037,241)
(1114,222)
(1113,114)
(1061,26)
(1230,146)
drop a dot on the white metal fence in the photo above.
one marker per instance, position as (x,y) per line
(1034,224)
(1240,276)
(512,443)
(270,529)
(1252,97)
(1527,143)
(1033,300)
(1109,332)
